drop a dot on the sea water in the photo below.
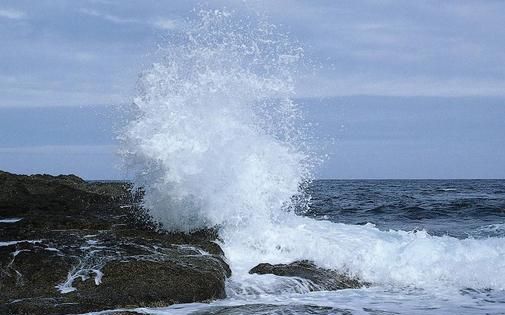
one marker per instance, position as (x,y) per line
(218,141)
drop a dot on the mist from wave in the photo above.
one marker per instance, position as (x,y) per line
(216,139)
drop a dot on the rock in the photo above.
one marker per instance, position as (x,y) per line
(29,270)
(154,283)
(81,247)
(322,279)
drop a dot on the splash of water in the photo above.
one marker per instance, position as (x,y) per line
(216,140)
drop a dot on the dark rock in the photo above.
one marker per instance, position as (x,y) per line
(29,270)
(322,279)
(82,247)
(154,283)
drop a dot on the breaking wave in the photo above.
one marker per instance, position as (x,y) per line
(218,140)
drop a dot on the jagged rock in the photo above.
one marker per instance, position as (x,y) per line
(322,279)
(80,247)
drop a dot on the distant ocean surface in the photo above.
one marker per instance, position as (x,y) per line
(458,208)
(456,226)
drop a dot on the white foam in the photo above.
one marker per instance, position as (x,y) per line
(9,243)
(83,272)
(382,257)
(10,220)
(362,301)
(215,139)
(98,276)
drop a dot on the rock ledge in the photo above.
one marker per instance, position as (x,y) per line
(69,246)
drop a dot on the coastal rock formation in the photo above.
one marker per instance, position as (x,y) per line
(69,246)
(321,279)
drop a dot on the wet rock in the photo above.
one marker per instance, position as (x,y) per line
(157,283)
(322,279)
(82,247)
(29,269)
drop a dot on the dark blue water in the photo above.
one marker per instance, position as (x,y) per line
(459,208)
(422,274)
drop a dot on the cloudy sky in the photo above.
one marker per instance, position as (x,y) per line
(401,89)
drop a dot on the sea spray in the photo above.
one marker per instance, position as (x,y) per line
(217,138)
(217,141)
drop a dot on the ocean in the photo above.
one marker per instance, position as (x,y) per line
(440,243)
(457,208)
(217,140)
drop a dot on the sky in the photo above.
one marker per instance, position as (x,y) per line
(400,89)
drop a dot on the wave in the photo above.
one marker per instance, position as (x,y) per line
(397,258)
(217,137)
(217,140)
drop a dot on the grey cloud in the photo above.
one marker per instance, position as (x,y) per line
(11,14)
(158,22)
(108,17)
(363,84)
(357,47)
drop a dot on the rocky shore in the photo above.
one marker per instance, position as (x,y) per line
(68,246)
